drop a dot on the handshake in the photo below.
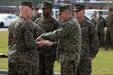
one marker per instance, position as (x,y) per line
(40,42)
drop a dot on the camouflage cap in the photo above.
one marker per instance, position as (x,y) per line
(47,4)
(29,4)
(64,7)
(78,7)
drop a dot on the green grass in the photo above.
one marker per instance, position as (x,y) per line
(102,64)
(3,49)
(3,42)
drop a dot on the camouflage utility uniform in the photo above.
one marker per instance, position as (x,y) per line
(109,33)
(23,56)
(89,47)
(69,45)
(47,55)
(101,24)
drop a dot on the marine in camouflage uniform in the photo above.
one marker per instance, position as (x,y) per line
(23,56)
(94,18)
(101,24)
(109,32)
(69,41)
(47,55)
(89,44)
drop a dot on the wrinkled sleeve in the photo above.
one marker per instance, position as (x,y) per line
(9,36)
(94,42)
(61,32)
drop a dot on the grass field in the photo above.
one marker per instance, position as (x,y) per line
(102,64)
(3,42)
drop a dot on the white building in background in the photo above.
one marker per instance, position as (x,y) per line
(92,4)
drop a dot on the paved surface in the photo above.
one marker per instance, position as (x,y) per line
(5,72)
(3,29)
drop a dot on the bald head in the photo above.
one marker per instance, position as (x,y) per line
(25,11)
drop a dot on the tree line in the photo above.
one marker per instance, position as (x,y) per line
(17,2)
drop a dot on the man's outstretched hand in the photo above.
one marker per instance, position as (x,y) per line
(38,39)
(42,42)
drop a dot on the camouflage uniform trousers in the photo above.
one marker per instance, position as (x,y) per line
(46,65)
(69,68)
(101,36)
(23,69)
(84,67)
(109,40)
